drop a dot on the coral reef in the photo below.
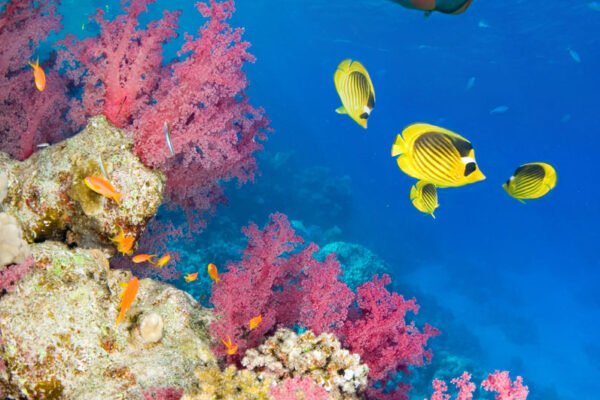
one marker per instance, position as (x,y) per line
(286,354)
(48,197)
(213,128)
(230,384)
(358,263)
(299,388)
(60,341)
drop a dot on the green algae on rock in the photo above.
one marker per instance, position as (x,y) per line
(60,341)
(47,195)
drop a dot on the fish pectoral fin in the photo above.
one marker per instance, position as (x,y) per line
(341,110)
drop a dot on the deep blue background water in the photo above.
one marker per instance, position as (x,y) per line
(523,278)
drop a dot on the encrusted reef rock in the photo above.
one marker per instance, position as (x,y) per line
(286,354)
(59,339)
(48,197)
(358,262)
(13,249)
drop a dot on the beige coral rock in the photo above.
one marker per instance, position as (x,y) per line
(286,354)
(47,194)
(59,339)
(13,249)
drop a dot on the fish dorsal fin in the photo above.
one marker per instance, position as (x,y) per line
(399,146)
(411,132)
(413,192)
(341,110)
(342,69)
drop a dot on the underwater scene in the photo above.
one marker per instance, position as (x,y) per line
(299,199)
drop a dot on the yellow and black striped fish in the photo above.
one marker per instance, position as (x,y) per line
(436,155)
(531,181)
(424,197)
(356,91)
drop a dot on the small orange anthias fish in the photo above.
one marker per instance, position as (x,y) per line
(230,348)
(125,242)
(103,187)
(213,273)
(191,277)
(254,322)
(128,295)
(140,258)
(162,261)
(38,75)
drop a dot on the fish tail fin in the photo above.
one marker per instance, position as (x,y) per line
(117,198)
(341,110)
(36,65)
(399,146)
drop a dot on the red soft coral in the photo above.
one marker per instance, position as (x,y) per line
(11,274)
(279,281)
(213,128)
(378,331)
(299,388)
(463,384)
(28,116)
(501,383)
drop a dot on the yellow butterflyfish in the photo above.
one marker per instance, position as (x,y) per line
(424,197)
(436,155)
(531,181)
(356,91)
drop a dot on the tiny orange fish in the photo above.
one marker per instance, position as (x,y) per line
(128,295)
(254,322)
(103,187)
(231,350)
(190,277)
(213,273)
(38,75)
(125,242)
(162,261)
(140,258)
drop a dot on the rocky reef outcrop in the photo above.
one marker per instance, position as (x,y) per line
(48,197)
(60,341)
(321,358)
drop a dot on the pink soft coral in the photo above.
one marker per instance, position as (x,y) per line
(214,130)
(299,388)
(28,116)
(274,279)
(463,384)
(501,383)
(377,330)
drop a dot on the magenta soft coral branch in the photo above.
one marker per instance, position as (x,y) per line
(213,128)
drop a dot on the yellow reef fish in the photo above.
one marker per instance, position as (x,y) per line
(356,91)
(531,181)
(436,155)
(103,187)
(162,261)
(128,295)
(424,197)
(38,75)
(254,322)
(191,277)
(140,258)
(231,349)
(125,243)
(213,273)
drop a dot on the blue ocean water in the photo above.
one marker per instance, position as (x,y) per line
(521,278)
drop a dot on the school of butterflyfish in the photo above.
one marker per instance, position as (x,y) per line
(435,156)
